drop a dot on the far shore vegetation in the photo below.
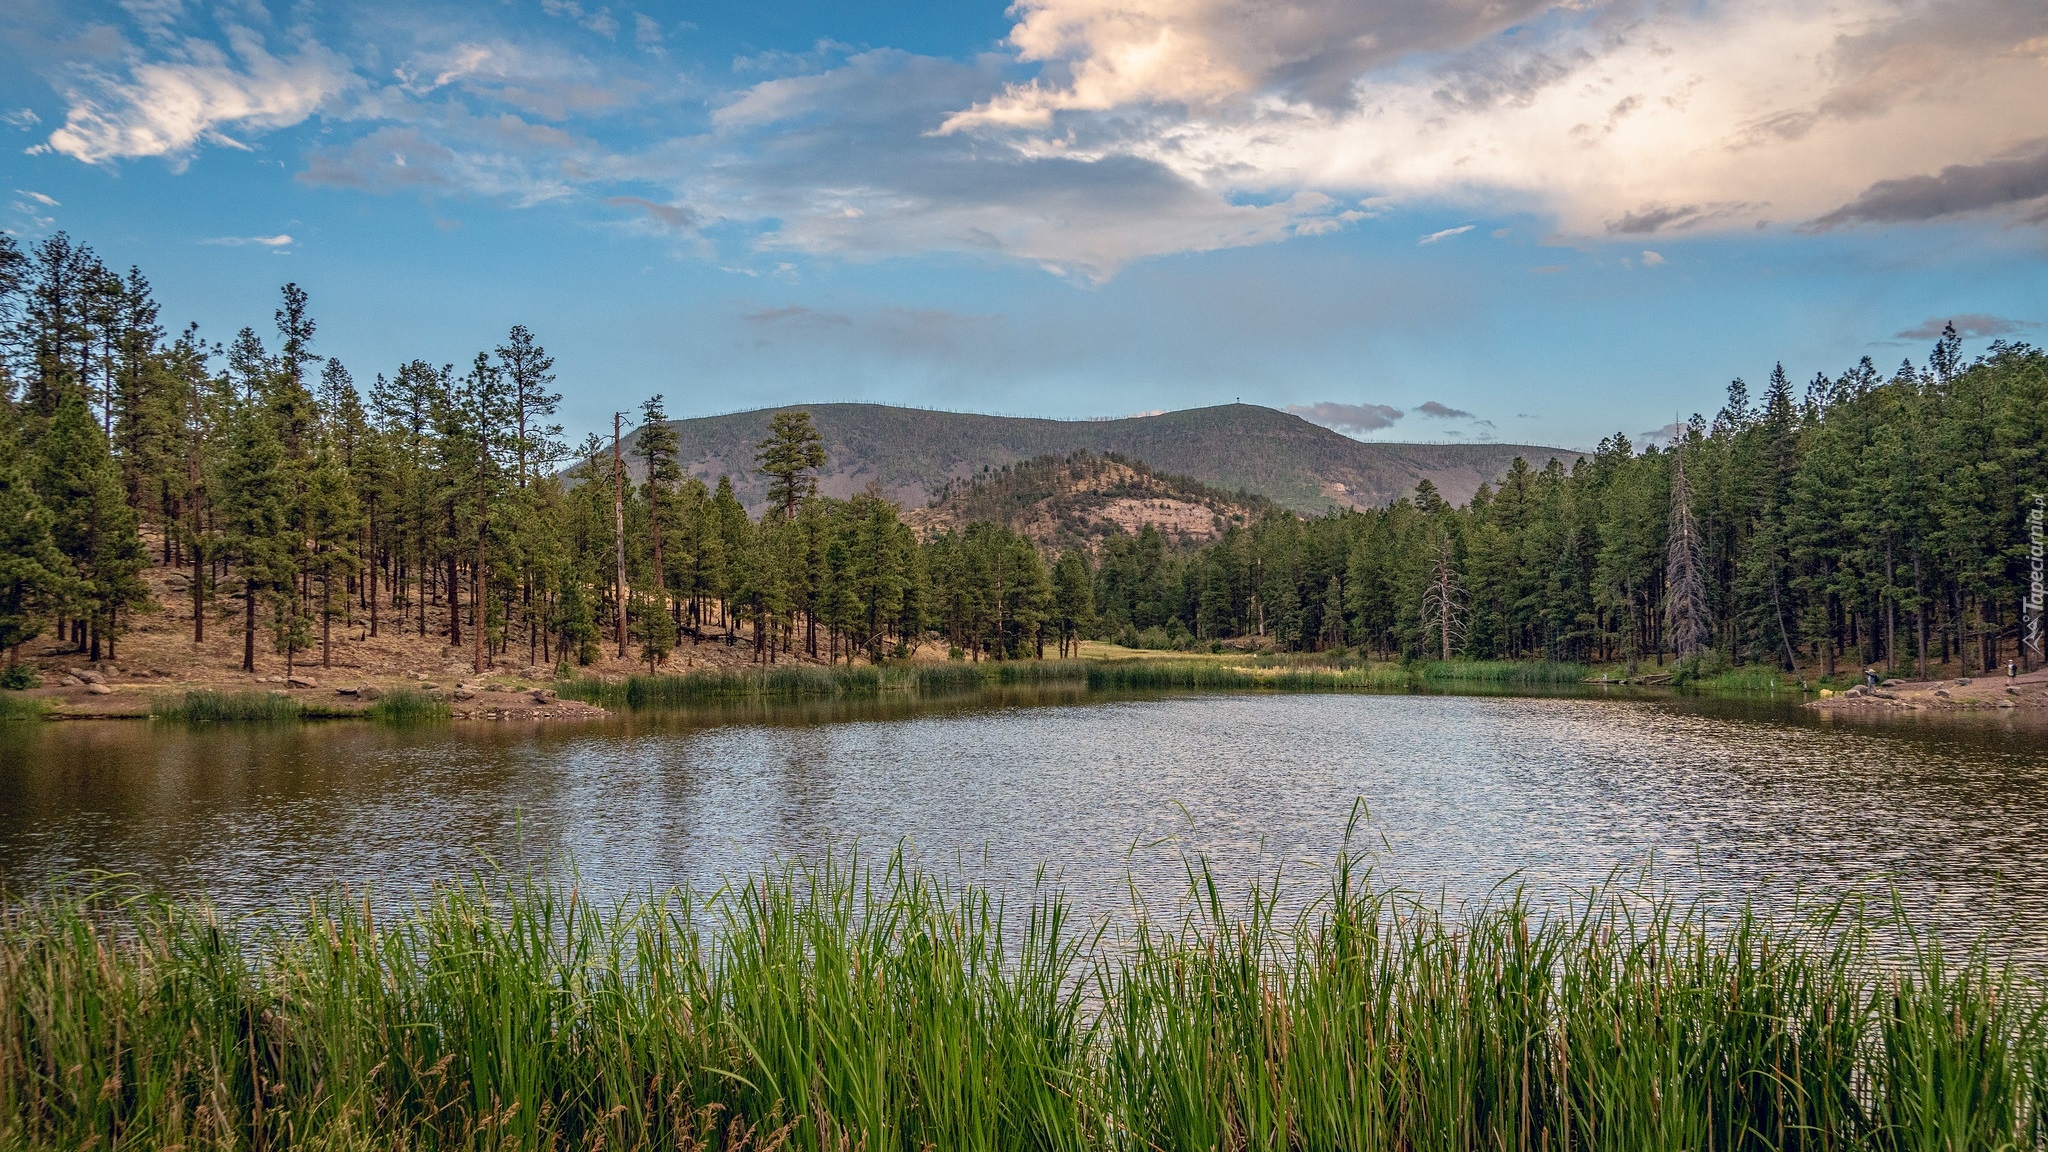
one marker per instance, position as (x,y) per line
(302,506)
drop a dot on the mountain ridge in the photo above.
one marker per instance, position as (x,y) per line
(912,454)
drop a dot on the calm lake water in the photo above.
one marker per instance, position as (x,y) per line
(1716,798)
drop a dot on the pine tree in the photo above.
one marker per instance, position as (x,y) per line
(35,578)
(792,451)
(91,520)
(252,498)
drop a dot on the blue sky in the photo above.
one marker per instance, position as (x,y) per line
(1413,219)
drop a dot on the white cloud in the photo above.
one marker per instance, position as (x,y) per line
(1651,259)
(166,107)
(279,241)
(1615,116)
(21,118)
(38,197)
(1446,234)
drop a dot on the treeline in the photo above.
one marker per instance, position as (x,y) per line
(1866,519)
(1860,519)
(434,500)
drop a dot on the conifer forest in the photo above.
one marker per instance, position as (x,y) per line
(1871,517)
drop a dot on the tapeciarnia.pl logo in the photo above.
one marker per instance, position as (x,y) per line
(2035,591)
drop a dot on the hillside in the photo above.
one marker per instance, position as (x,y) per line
(913,453)
(1075,501)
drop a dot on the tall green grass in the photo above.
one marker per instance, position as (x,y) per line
(13,707)
(408,706)
(206,706)
(812,681)
(835,1006)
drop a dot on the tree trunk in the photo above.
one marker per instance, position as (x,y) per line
(326,620)
(249,626)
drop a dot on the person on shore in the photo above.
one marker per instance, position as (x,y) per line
(1870,677)
(2012,669)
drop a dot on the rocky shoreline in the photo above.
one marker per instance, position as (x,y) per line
(1989,693)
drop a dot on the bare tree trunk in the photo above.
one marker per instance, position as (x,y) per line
(619,527)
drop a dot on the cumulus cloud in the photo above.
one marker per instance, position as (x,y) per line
(200,92)
(1651,259)
(1442,411)
(1355,419)
(1620,117)
(1975,324)
(1113,53)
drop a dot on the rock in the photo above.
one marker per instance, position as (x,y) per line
(70,681)
(543,695)
(302,682)
(368,692)
(464,694)
(1892,683)
(90,676)
(345,691)
(1857,690)
(1941,692)
(1962,681)
(99,689)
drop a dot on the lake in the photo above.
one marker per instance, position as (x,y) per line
(1715,798)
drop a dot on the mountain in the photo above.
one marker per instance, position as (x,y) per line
(913,453)
(1077,500)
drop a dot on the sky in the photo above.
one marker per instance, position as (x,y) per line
(1434,220)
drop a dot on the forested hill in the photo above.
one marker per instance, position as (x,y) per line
(912,453)
(1082,499)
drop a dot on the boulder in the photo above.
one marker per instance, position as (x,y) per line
(70,681)
(543,695)
(90,676)
(464,694)
(368,692)
(99,689)
(1892,683)
(302,682)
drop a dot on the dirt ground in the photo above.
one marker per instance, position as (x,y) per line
(1961,694)
(156,655)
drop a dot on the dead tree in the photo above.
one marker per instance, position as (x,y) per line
(1443,601)
(1685,594)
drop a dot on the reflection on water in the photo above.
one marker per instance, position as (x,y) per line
(1463,791)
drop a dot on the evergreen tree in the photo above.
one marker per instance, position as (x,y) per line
(792,451)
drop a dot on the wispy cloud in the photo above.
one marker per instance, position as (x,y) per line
(1958,188)
(1974,324)
(1446,234)
(1352,418)
(201,92)
(38,197)
(279,241)
(1442,411)
(21,118)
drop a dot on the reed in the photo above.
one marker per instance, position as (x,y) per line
(835,1005)
(408,706)
(206,706)
(17,707)
(812,681)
